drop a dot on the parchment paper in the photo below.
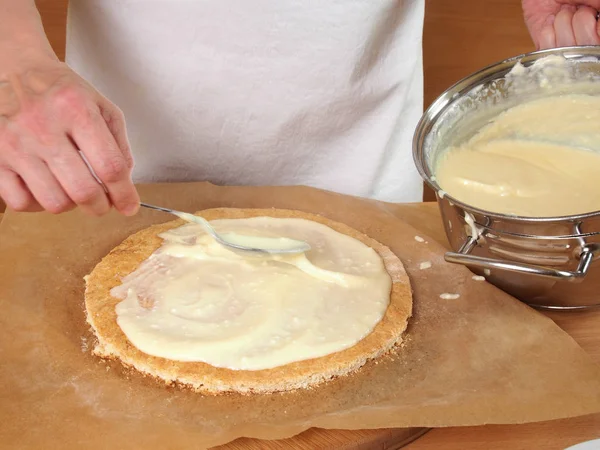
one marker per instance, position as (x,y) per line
(482,358)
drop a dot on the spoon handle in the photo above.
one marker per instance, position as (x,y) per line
(187,217)
(157,208)
(299,246)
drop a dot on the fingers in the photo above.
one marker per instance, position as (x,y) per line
(576,26)
(585,26)
(563,27)
(108,162)
(16,194)
(44,187)
(62,144)
(547,38)
(592,3)
(57,183)
(72,173)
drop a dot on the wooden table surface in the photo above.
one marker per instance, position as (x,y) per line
(583,327)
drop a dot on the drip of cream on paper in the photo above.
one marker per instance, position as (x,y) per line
(425,265)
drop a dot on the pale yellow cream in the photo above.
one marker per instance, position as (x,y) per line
(194,300)
(539,159)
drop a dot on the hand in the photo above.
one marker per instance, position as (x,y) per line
(49,118)
(562,23)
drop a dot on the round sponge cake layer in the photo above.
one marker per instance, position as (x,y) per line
(126,257)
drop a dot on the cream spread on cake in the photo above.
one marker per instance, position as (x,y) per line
(243,241)
(195,300)
(538,159)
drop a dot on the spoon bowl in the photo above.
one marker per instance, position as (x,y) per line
(241,242)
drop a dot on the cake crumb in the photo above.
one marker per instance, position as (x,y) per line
(487,272)
(478,278)
(425,265)
(84,344)
(446,296)
(419,239)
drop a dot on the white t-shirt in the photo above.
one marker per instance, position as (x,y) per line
(324,93)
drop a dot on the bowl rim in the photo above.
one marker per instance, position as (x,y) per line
(444,100)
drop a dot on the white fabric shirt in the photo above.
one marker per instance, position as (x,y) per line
(324,93)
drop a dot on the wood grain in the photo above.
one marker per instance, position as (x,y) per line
(54,18)
(461,37)
(314,438)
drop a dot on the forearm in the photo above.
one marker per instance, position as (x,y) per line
(22,35)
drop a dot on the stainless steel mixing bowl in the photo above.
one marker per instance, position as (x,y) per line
(547,262)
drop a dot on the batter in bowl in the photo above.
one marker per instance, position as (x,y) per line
(538,159)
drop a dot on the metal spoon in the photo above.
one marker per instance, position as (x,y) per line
(234,241)
(239,242)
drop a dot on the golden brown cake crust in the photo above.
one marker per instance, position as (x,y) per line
(126,257)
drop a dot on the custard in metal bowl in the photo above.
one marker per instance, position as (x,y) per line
(513,154)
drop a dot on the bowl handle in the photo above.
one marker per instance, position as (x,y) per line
(463,257)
